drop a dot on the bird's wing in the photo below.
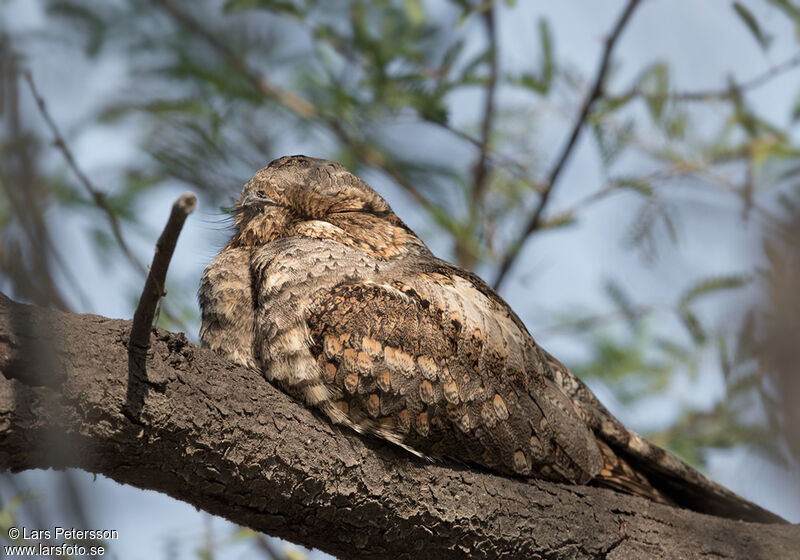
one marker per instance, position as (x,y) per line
(563,398)
(632,460)
(429,364)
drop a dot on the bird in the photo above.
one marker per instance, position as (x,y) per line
(334,299)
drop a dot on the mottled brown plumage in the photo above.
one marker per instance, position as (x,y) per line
(325,290)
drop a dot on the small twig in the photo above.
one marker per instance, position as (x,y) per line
(497,159)
(97,195)
(208,537)
(707,173)
(481,166)
(705,95)
(594,95)
(672,172)
(266,547)
(456,132)
(154,285)
(600,320)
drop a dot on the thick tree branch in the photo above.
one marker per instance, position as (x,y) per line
(594,94)
(223,439)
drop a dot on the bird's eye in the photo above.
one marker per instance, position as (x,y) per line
(257,198)
(262,197)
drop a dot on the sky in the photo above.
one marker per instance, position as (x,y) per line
(703,42)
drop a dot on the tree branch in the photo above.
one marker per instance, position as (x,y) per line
(96,194)
(481,165)
(154,285)
(223,439)
(711,94)
(547,189)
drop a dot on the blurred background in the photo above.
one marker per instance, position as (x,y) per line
(626,173)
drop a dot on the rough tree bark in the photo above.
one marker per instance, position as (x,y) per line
(221,438)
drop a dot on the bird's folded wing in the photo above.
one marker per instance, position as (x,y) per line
(413,368)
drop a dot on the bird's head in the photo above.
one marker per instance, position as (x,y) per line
(309,197)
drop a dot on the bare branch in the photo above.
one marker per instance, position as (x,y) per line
(28,268)
(268,549)
(96,194)
(480,170)
(154,285)
(594,94)
(221,438)
(673,171)
(714,94)
(600,320)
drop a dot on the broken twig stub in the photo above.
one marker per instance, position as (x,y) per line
(154,284)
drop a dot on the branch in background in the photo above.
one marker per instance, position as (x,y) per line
(95,194)
(594,94)
(712,94)
(464,253)
(711,177)
(265,546)
(27,200)
(493,156)
(28,267)
(599,320)
(221,438)
(481,166)
(297,105)
(674,171)
(154,285)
